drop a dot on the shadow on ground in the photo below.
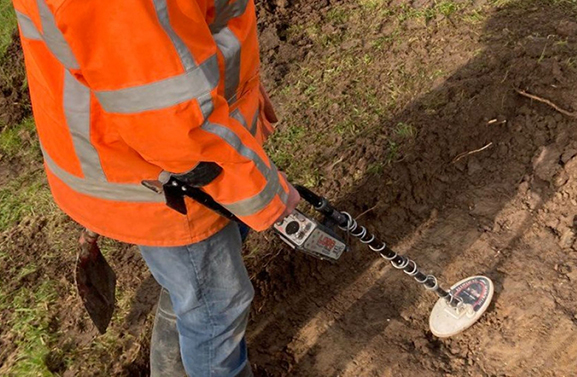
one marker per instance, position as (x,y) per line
(314,318)
(456,218)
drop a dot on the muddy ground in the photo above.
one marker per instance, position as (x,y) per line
(507,212)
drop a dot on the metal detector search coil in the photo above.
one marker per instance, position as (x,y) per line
(307,235)
(475,294)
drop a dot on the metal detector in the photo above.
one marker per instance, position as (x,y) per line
(457,308)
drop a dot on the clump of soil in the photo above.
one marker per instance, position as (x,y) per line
(14,97)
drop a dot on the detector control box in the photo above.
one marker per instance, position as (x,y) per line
(307,235)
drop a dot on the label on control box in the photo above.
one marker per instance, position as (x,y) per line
(305,234)
(324,244)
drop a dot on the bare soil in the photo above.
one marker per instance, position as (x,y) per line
(507,212)
(14,97)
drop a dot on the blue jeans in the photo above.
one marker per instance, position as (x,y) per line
(211,295)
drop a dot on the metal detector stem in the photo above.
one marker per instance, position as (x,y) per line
(457,308)
(346,222)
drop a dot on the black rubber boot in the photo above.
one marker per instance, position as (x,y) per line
(165,358)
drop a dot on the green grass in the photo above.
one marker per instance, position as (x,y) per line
(393,152)
(383,41)
(27,193)
(371,4)
(315,94)
(331,100)
(26,196)
(407,12)
(570,63)
(7,24)
(570,4)
(376,168)
(405,131)
(20,141)
(446,8)
(283,143)
(30,323)
(475,17)
(337,16)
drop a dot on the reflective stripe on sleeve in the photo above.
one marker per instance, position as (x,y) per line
(225,12)
(54,39)
(237,115)
(165,93)
(234,141)
(183,52)
(256,203)
(122,192)
(77,112)
(283,195)
(27,27)
(230,47)
(228,44)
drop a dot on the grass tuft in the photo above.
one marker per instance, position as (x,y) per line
(30,323)
(25,196)
(337,16)
(405,131)
(7,24)
(20,141)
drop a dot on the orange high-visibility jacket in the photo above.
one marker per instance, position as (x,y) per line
(122,90)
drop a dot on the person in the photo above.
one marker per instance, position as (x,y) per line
(122,91)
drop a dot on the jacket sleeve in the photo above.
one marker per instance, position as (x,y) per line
(160,91)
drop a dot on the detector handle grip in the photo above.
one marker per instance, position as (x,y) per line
(322,205)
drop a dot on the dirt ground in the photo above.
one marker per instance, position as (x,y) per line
(14,99)
(508,212)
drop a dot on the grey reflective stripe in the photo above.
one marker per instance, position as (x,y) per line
(77,112)
(256,203)
(183,52)
(54,39)
(236,114)
(27,27)
(124,192)
(283,195)
(234,141)
(228,43)
(206,105)
(253,126)
(165,93)
(211,71)
(224,12)
(219,6)
(229,46)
